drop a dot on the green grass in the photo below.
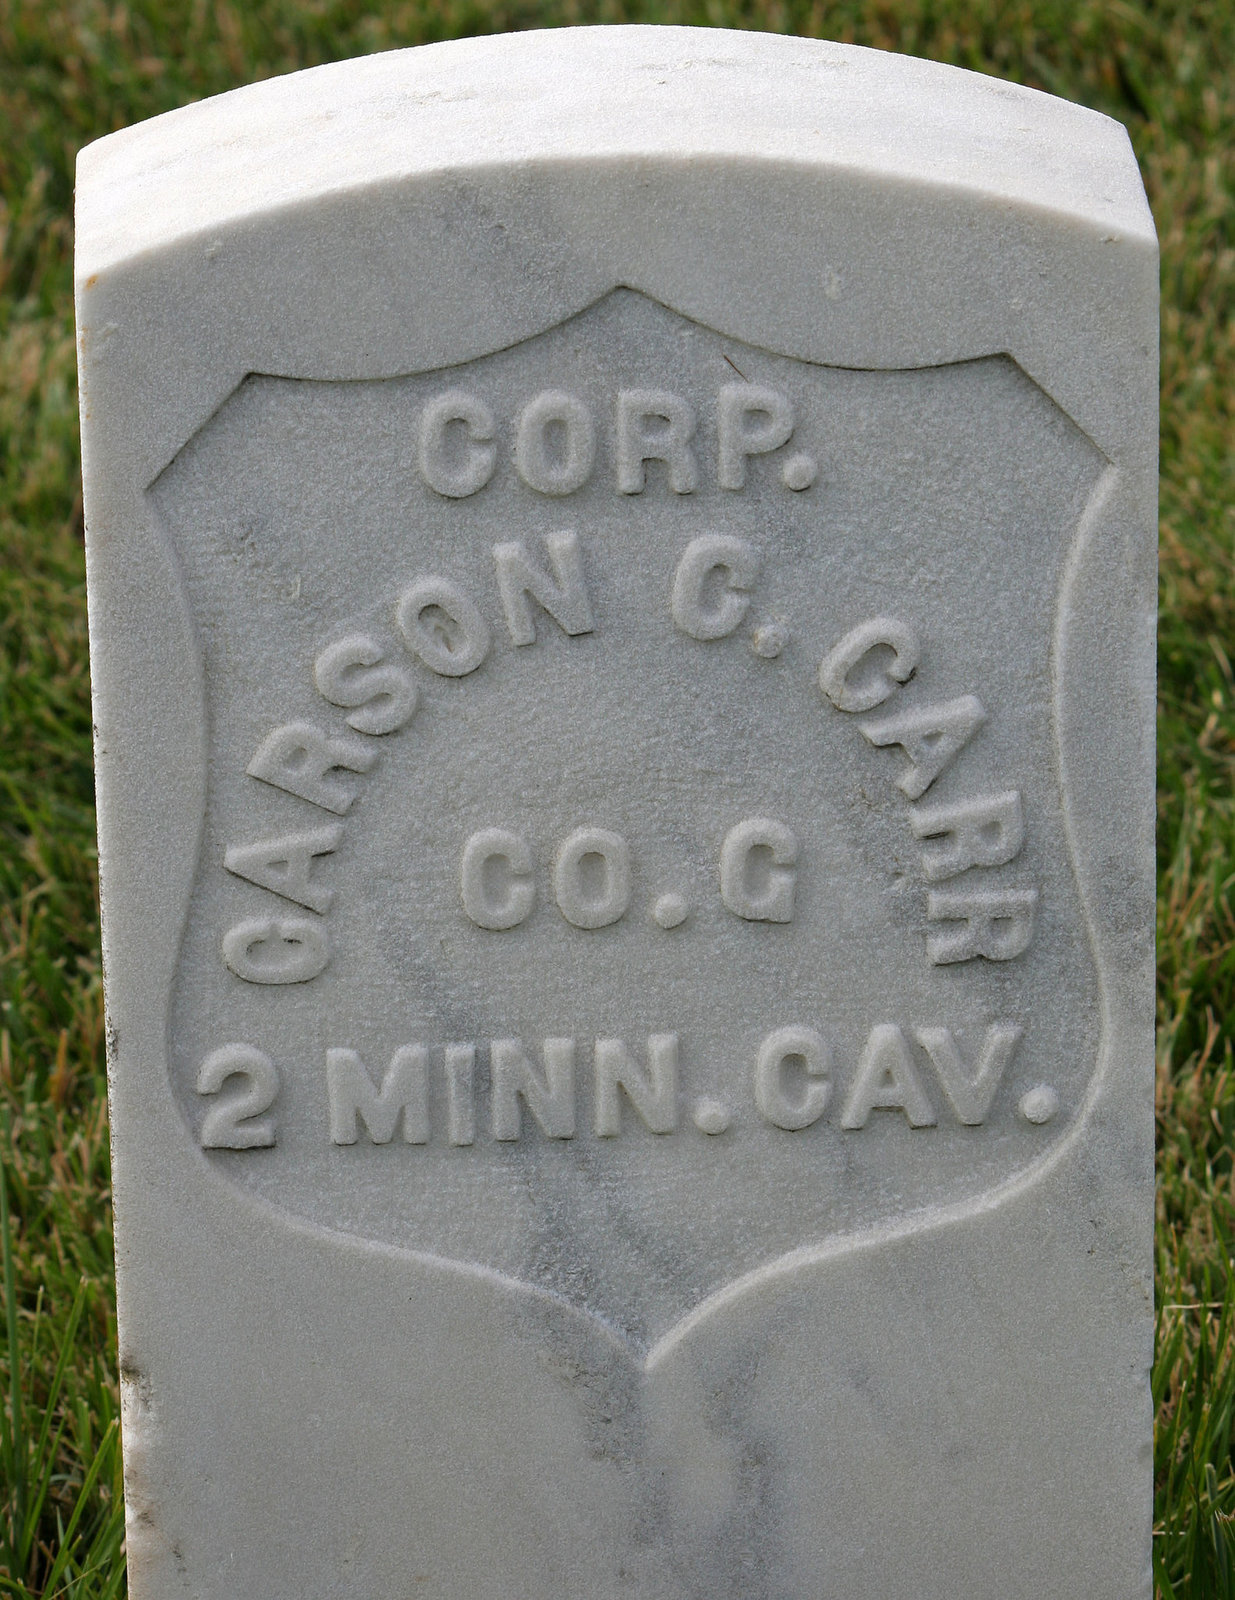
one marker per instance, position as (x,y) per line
(72,71)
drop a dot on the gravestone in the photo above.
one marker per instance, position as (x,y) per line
(622,588)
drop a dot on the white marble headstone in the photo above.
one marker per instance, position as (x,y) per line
(622,584)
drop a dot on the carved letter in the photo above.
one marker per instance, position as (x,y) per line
(775,1053)
(756,877)
(347,674)
(980,833)
(970,1091)
(887,1079)
(442,626)
(653,1094)
(284,865)
(460,1093)
(669,441)
(932,738)
(997,924)
(750,421)
(458,467)
(880,681)
(302,760)
(591,878)
(354,1097)
(563,595)
(232,1124)
(498,891)
(550,1099)
(270,950)
(542,468)
(737,567)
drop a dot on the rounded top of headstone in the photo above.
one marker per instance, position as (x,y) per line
(596,94)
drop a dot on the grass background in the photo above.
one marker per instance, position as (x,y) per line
(72,71)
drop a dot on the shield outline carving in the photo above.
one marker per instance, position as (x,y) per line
(886,1228)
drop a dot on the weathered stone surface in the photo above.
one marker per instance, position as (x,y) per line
(622,582)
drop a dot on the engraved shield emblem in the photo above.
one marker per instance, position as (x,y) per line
(636,848)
